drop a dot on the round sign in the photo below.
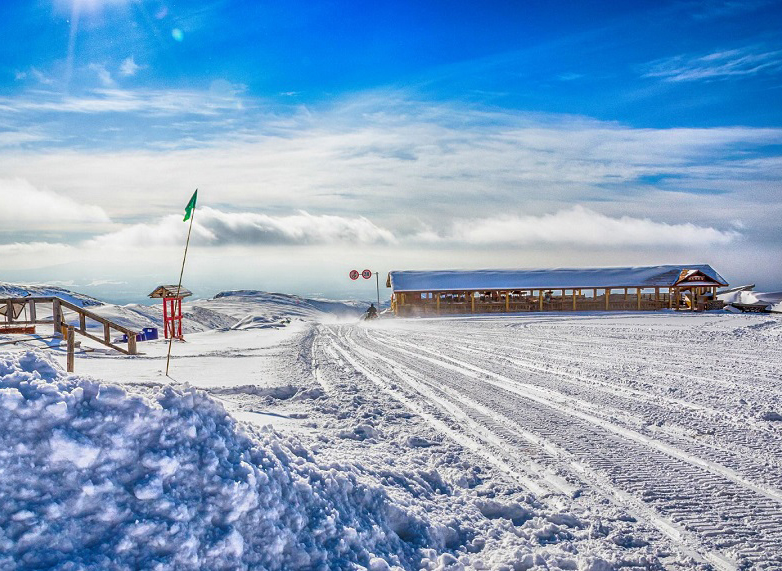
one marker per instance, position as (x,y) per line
(366,274)
(353,274)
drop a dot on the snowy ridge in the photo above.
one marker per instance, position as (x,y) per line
(126,483)
(18,290)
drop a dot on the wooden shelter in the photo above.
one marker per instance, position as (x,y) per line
(172,296)
(561,289)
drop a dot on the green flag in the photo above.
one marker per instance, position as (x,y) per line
(190,206)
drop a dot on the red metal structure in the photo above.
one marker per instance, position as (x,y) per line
(172,308)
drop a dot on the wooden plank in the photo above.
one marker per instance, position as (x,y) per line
(106,334)
(608,297)
(574,300)
(99,340)
(472,301)
(507,301)
(82,323)
(71,349)
(540,300)
(438,302)
(638,290)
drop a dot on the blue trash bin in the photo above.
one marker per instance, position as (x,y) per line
(150,333)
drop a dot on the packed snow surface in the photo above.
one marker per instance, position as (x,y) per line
(548,441)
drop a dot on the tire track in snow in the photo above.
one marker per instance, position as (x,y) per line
(708,476)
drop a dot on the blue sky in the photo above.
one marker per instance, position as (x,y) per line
(327,135)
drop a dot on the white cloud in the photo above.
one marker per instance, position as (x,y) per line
(110,99)
(578,226)
(716,65)
(213,227)
(129,67)
(27,208)
(104,75)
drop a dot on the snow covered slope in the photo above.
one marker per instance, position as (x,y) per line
(254,309)
(770,301)
(18,290)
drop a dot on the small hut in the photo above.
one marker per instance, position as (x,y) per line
(172,296)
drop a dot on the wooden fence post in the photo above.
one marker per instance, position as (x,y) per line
(71,348)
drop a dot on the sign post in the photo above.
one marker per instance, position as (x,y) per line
(367,274)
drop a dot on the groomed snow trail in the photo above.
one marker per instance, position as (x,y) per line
(676,419)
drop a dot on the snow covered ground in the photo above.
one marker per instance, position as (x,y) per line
(586,441)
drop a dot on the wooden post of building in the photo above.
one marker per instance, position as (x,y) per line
(540,299)
(507,301)
(71,349)
(625,294)
(670,298)
(438,302)
(472,301)
(638,290)
(574,300)
(608,297)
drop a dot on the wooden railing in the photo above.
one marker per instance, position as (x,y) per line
(59,323)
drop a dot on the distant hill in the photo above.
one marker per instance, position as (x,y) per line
(252,308)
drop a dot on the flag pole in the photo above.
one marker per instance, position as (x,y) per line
(179,285)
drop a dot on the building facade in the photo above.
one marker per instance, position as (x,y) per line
(562,289)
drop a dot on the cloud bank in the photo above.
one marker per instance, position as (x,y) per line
(578,226)
(212,227)
(26,207)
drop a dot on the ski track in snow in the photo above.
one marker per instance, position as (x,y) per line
(662,421)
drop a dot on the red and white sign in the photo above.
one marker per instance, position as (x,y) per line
(366,274)
(354,274)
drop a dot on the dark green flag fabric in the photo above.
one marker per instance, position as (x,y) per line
(190,206)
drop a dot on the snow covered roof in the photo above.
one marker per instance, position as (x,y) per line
(170,291)
(556,278)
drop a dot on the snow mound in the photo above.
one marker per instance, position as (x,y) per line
(93,478)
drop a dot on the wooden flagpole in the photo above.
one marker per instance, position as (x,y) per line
(179,285)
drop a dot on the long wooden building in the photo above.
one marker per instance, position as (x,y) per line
(560,289)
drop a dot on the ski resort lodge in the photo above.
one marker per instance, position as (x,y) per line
(561,289)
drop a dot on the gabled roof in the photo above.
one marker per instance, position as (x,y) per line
(169,291)
(556,278)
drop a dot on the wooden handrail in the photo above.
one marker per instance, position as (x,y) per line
(57,321)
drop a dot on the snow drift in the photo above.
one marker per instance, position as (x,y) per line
(93,478)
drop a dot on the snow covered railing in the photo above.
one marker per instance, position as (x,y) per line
(15,307)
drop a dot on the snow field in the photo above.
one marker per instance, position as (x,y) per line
(669,418)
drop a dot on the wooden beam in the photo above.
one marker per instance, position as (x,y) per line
(82,323)
(438,302)
(540,299)
(31,310)
(71,349)
(574,300)
(638,290)
(107,334)
(608,297)
(472,301)
(625,294)
(507,301)
(670,298)
(56,316)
